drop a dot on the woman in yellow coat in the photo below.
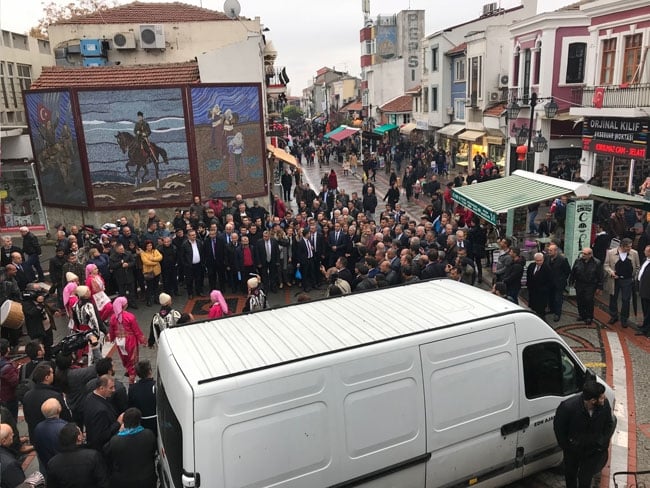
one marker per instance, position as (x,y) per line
(151,259)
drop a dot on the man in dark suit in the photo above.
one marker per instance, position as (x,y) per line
(192,262)
(214,253)
(100,419)
(547,227)
(267,261)
(233,272)
(22,278)
(336,244)
(538,281)
(400,236)
(320,247)
(305,260)
(644,292)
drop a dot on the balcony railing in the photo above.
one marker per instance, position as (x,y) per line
(275,76)
(614,96)
(522,94)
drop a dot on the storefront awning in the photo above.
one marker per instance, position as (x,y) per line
(335,131)
(282,154)
(382,129)
(408,128)
(451,130)
(491,198)
(344,134)
(495,136)
(471,135)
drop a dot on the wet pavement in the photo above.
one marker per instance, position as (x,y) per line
(593,344)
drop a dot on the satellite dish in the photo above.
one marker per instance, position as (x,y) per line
(232,8)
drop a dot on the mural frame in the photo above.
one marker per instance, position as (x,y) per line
(202,187)
(191,161)
(36,150)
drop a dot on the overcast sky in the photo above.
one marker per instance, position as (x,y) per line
(308,34)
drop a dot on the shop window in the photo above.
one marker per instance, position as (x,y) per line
(22,205)
(632,59)
(575,68)
(607,62)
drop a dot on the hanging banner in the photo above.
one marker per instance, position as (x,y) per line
(577,234)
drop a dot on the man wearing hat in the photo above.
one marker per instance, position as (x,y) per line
(86,318)
(256,299)
(72,265)
(142,132)
(166,317)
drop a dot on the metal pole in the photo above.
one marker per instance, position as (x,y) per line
(533,103)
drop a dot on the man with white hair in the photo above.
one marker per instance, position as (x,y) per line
(539,278)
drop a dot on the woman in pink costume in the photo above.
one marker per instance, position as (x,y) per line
(125,332)
(95,282)
(219,306)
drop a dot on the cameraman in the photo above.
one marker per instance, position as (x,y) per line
(38,317)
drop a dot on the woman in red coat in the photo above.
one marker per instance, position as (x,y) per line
(125,332)
(332,181)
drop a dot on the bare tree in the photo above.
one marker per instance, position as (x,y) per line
(54,12)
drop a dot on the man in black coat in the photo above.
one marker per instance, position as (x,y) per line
(11,471)
(587,277)
(122,265)
(32,250)
(100,419)
(644,292)
(46,433)
(168,266)
(43,377)
(214,253)
(22,277)
(142,395)
(583,426)
(286,181)
(538,282)
(75,466)
(131,455)
(305,260)
(337,243)
(560,270)
(267,260)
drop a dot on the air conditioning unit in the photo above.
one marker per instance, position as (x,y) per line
(494,96)
(489,8)
(124,40)
(152,36)
(503,81)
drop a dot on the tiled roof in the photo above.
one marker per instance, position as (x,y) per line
(416,90)
(400,104)
(147,13)
(457,49)
(496,111)
(352,107)
(103,76)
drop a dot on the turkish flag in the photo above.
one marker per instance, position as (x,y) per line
(599,95)
(44,113)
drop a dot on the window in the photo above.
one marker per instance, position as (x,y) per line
(459,109)
(425,99)
(171,435)
(537,66)
(607,62)
(475,75)
(434,98)
(515,71)
(25,76)
(526,80)
(575,69)
(434,59)
(3,81)
(632,59)
(369,47)
(549,370)
(11,86)
(459,70)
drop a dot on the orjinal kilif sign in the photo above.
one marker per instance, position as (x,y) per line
(626,138)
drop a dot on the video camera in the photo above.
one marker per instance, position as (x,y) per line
(73,343)
(32,295)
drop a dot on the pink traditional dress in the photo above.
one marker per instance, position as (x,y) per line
(219,306)
(125,332)
(95,282)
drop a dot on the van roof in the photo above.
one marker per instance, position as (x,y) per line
(214,349)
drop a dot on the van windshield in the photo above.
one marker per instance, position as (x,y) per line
(171,435)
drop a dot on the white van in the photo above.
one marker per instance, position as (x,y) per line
(435,384)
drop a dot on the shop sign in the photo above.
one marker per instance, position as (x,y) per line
(627,138)
(578,228)
(422,125)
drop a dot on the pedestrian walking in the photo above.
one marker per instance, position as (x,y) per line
(538,281)
(560,270)
(583,426)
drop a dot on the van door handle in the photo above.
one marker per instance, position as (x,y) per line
(515,426)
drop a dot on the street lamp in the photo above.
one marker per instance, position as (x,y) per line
(525,134)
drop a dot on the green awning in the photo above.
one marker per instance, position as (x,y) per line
(335,131)
(491,198)
(382,129)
